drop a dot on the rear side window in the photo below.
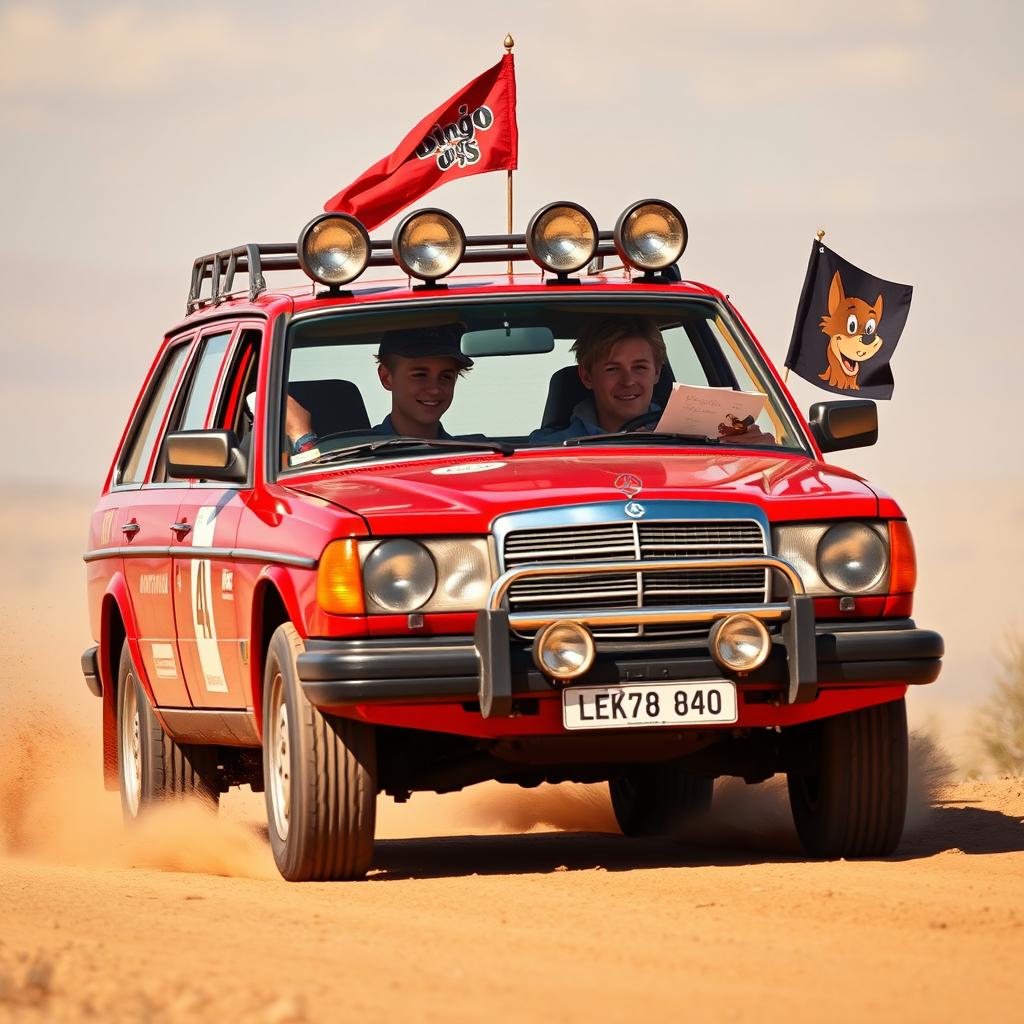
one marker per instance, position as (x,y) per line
(203,381)
(154,409)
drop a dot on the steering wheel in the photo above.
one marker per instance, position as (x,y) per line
(647,419)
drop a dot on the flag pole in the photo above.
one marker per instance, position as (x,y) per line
(819,234)
(508,44)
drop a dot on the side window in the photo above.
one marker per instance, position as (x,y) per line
(136,457)
(204,380)
(239,384)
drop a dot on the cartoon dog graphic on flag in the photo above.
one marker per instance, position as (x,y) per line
(852,329)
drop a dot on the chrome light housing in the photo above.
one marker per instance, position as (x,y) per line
(650,235)
(428,244)
(399,576)
(562,237)
(739,642)
(459,570)
(836,558)
(334,249)
(564,649)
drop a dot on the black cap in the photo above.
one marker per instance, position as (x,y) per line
(439,340)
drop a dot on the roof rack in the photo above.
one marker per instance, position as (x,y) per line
(255,258)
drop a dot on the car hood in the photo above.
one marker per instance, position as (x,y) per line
(466,494)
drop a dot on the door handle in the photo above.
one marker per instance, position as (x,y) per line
(130,529)
(181,529)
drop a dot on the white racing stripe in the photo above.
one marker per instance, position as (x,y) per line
(203,620)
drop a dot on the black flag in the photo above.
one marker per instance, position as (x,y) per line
(847,326)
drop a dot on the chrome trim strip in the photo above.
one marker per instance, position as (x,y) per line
(652,616)
(187,551)
(121,552)
(255,555)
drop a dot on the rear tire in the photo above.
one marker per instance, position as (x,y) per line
(659,800)
(152,768)
(320,777)
(849,795)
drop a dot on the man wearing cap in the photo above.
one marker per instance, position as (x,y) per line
(419,366)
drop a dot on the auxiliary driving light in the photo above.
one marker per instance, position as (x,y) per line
(650,235)
(563,649)
(739,642)
(334,249)
(428,244)
(561,237)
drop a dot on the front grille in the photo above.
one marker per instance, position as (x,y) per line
(640,542)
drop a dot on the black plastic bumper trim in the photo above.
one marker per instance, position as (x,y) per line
(91,671)
(336,673)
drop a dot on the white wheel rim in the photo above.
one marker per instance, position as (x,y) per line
(280,760)
(131,747)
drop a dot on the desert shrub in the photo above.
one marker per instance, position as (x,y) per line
(999,722)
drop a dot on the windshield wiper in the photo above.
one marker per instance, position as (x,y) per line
(410,444)
(640,435)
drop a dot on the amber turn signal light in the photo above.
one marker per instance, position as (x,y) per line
(339,587)
(902,558)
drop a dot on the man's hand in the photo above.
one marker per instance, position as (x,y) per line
(297,421)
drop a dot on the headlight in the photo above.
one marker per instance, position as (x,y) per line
(561,237)
(334,249)
(428,244)
(650,235)
(836,558)
(396,574)
(399,576)
(852,558)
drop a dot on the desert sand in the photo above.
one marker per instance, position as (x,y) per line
(494,903)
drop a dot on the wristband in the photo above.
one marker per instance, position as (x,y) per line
(304,443)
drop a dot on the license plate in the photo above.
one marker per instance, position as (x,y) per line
(617,707)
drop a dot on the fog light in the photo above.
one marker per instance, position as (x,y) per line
(739,642)
(563,649)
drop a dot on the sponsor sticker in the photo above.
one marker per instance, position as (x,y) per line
(163,661)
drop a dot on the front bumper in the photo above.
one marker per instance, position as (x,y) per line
(495,670)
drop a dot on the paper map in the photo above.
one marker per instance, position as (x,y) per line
(702,411)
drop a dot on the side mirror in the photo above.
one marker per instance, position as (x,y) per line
(840,425)
(206,454)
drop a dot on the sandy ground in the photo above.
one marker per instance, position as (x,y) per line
(496,902)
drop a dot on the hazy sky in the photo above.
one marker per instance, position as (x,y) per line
(137,135)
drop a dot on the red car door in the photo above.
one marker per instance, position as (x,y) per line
(144,524)
(204,572)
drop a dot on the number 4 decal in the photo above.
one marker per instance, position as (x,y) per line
(203,620)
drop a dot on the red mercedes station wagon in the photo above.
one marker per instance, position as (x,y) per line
(416,531)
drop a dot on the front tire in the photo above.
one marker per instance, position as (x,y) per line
(659,800)
(320,777)
(153,769)
(849,789)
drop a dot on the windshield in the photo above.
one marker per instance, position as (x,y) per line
(524,372)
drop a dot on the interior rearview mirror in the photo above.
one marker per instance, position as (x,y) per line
(508,341)
(205,455)
(840,425)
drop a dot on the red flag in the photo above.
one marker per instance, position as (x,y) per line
(473,132)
